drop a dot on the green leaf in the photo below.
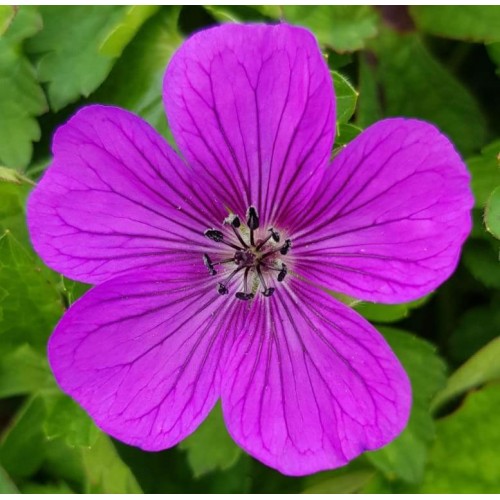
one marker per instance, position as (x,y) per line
(465,456)
(348,482)
(118,39)
(482,260)
(44,489)
(345,97)
(22,371)
(30,303)
(492,213)
(21,97)
(7,14)
(25,449)
(62,462)
(6,484)
(481,368)
(73,290)
(485,170)
(473,332)
(415,84)
(494,53)
(13,176)
(22,448)
(97,468)
(136,80)
(243,13)
(346,132)
(388,313)
(478,23)
(105,471)
(70,59)
(478,229)
(26,23)
(68,420)
(369,103)
(405,457)
(9,175)
(210,447)
(344,28)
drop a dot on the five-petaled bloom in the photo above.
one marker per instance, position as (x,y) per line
(211,267)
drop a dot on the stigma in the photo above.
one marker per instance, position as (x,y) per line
(248,253)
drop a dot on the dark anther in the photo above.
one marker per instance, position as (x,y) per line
(252,219)
(209,264)
(286,247)
(254,255)
(233,220)
(282,273)
(235,223)
(274,234)
(214,235)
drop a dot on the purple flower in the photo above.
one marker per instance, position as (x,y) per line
(211,267)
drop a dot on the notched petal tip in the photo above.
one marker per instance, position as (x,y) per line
(390,217)
(142,355)
(310,384)
(249,105)
(115,198)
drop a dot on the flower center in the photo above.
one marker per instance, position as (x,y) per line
(255,257)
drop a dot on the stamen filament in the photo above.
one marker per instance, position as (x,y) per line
(222,287)
(218,237)
(267,291)
(245,295)
(282,271)
(283,250)
(232,245)
(238,235)
(263,242)
(225,261)
(249,256)
(274,235)
(245,280)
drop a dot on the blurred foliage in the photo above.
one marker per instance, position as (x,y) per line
(211,435)
(76,48)
(464,457)
(492,213)
(485,170)
(21,97)
(341,28)
(472,24)
(136,80)
(406,456)
(481,368)
(438,63)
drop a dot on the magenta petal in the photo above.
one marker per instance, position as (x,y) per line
(115,198)
(142,354)
(252,110)
(390,217)
(310,384)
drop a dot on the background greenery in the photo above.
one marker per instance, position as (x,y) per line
(441,64)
